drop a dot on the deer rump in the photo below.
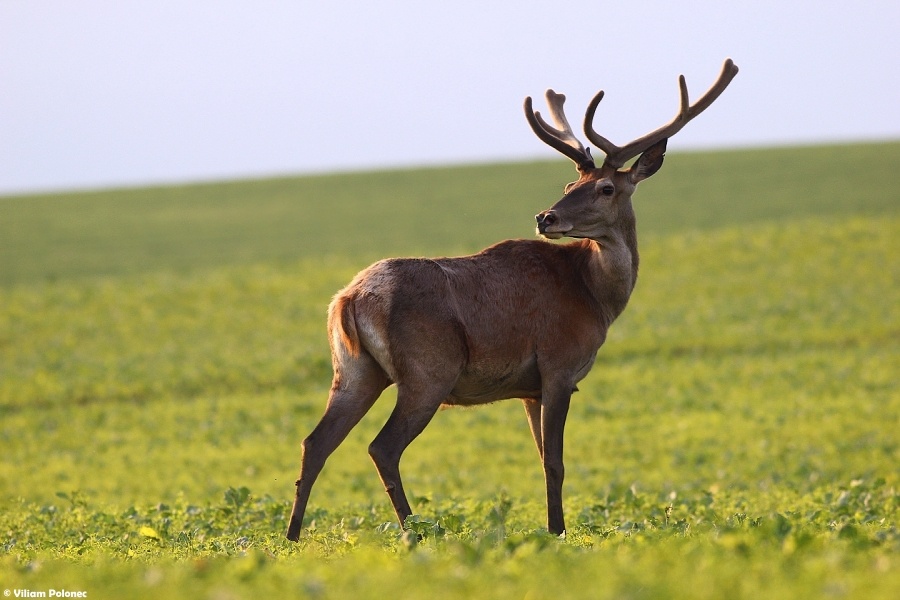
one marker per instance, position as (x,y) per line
(485,326)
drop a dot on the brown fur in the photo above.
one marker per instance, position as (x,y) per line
(488,310)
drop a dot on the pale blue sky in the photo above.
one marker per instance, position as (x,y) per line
(97,94)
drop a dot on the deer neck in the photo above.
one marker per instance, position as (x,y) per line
(613,271)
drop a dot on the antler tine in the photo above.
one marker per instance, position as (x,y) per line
(605,146)
(617,156)
(560,137)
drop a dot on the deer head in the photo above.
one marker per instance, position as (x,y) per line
(598,204)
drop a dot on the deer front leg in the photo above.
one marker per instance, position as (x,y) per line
(533,412)
(554,408)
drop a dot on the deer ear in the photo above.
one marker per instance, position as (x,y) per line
(649,162)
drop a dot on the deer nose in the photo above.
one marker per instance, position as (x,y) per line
(546,219)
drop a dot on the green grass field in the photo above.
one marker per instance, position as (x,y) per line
(163,353)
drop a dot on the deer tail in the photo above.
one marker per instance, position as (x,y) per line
(342,324)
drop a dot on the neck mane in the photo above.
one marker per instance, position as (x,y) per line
(613,272)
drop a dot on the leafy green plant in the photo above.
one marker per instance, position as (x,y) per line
(737,437)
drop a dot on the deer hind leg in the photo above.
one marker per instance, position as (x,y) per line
(411,415)
(354,390)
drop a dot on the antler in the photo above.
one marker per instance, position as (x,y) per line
(561,139)
(617,156)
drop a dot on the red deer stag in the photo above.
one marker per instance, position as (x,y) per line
(521,319)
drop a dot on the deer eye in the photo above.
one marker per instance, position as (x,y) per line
(607,190)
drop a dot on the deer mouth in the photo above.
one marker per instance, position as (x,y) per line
(553,231)
(551,235)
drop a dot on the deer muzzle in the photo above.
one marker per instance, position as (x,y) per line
(550,225)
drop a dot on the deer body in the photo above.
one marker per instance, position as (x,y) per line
(521,319)
(499,317)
